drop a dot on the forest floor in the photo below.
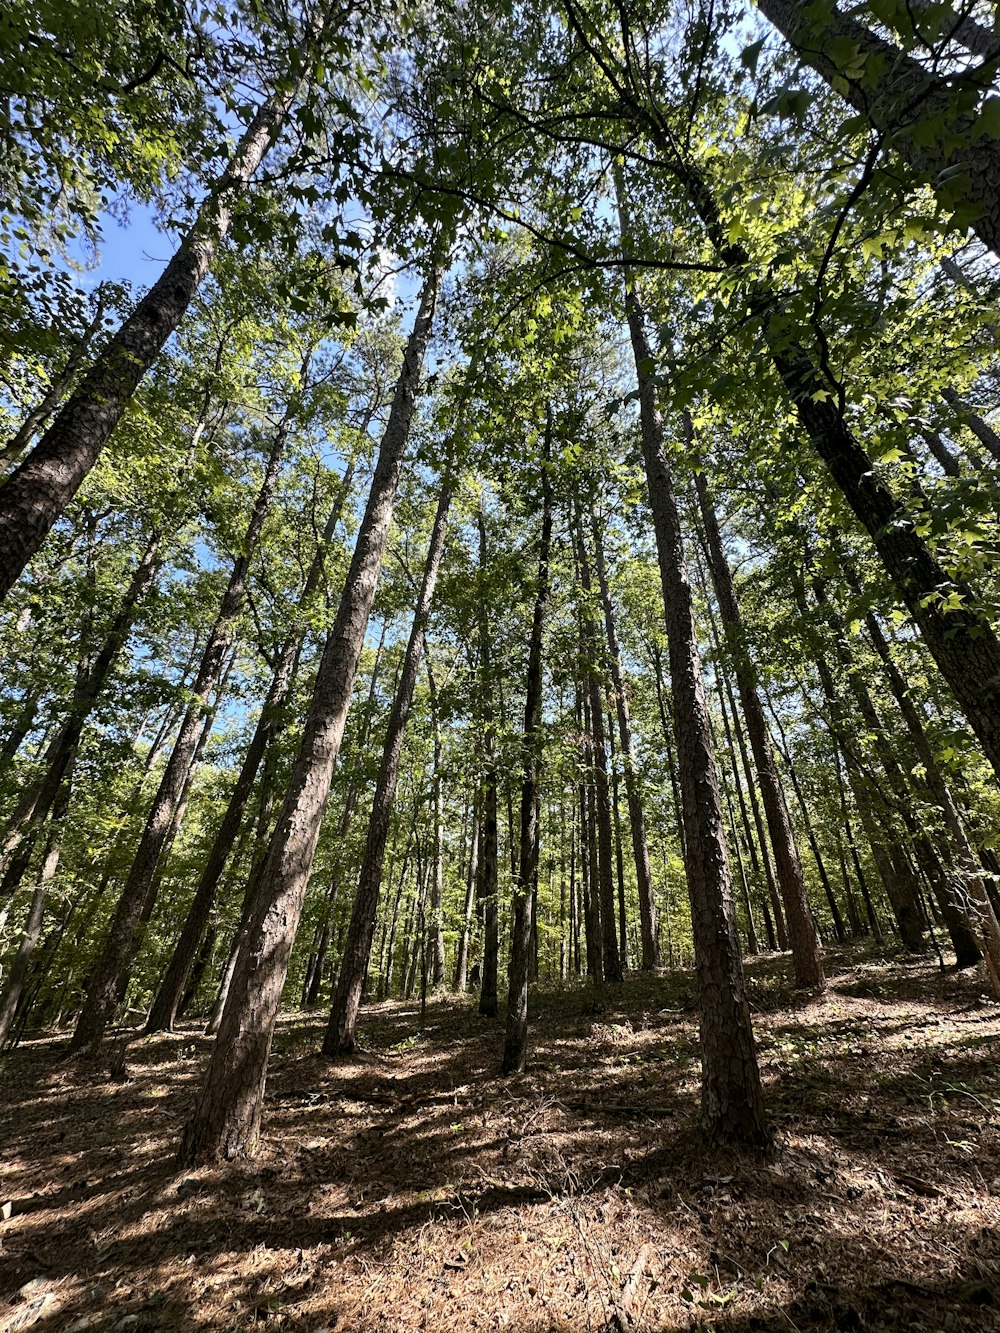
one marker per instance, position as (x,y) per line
(414,1189)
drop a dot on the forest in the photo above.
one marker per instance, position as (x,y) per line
(500,688)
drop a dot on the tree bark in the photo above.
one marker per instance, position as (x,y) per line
(732,1101)
(644,878)
(226,1119)
(37,493)
(341,1038)
(515,1051)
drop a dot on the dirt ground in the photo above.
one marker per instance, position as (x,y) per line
(414,1189)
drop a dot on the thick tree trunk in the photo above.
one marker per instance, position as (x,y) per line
(226,1119)
(340,1036)
(515,1050)
(921,115)
(37,493)
(732,1101)
(644,878)
(123,936)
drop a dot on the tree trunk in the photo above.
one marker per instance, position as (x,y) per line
(488,884)
(515,1051)
(13,989)
(644,878)
(37,493)
(915,111)
(958,634)
(462,958)
(340,1036)
(732,1101)
(165,1004)
(226,1119)
(611,961)
(93,676)
(806,953)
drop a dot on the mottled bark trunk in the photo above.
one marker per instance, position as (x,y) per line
(340,1036)
(515,1051)
(226,1119)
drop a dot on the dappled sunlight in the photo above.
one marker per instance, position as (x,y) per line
(412,1186)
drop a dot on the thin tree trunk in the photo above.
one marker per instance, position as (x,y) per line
(462,958)
(165,1004)
(958,633)
(488,884)
(13,988)
(123,937)
(515,1051)
(644,878)
(93,676)
(341,1038)
(806,953)
(611,962)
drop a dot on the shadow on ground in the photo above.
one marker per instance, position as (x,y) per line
(412,1188)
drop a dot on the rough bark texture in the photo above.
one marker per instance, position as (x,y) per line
(806,954)
(515,1050)
(644,878)
(40,489)
(340,1035)
(929,121)
(226,1118)
(732,1101)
